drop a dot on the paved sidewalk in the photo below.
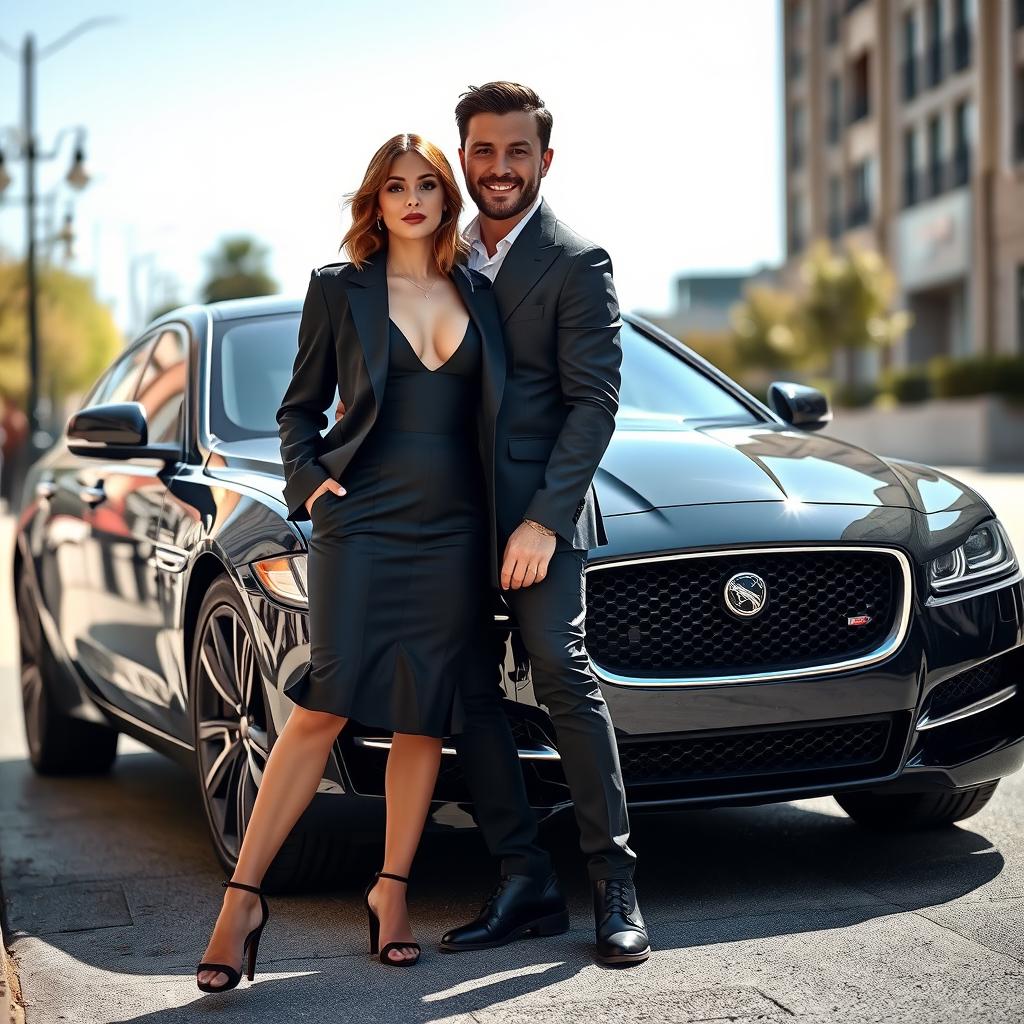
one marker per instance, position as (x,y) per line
(786,913)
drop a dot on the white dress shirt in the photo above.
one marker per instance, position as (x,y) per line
(478,258)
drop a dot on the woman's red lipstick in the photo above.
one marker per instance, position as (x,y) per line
(414,218)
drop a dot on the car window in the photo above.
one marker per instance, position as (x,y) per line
(657,385)
(161,389)
(120,381)
(252,364)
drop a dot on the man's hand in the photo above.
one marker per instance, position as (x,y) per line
(330,484)
(527,555)
(339,410)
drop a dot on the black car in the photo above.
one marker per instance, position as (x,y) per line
(778,614)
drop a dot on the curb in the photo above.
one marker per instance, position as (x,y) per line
(11,1009)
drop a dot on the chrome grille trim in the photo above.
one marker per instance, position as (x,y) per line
(975,708)
(888,646)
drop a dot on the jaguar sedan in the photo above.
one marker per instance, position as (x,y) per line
(778,614)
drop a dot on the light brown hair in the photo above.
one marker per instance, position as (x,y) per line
(503,98)
(364,238)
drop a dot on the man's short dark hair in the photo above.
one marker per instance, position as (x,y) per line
(503,98)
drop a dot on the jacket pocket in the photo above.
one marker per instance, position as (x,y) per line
(524,312)
(530,447)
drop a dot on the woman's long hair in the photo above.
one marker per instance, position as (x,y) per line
(364,238)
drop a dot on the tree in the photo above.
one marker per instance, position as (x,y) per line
(767,331)
(848,299)
(237,270)
(77,334)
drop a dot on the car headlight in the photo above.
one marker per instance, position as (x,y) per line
(284,578)
(986,553)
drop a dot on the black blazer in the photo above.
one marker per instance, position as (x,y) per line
(560,319)
(343,343)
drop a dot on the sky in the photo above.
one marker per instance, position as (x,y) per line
(221,117)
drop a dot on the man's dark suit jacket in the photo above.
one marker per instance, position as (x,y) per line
(561,323)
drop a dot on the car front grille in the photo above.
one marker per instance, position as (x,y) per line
(666,617)
(801,749)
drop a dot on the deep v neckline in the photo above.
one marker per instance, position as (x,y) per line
(440,366)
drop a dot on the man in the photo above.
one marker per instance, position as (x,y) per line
(561,323)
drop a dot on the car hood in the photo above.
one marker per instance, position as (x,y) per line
(650,465)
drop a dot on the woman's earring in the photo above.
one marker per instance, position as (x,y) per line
(378,222)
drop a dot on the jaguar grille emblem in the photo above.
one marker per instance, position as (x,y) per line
(745,594)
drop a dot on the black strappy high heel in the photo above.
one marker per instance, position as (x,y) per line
(382,954)
(252,942)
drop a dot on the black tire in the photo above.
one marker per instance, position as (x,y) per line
(904,812)
(233,740)
(57,743)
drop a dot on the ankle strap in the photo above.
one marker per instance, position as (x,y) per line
(385,874)
(241,885)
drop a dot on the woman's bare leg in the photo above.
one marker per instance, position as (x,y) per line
(294,770)
(413,762)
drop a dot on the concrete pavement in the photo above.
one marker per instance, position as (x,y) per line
(763,914)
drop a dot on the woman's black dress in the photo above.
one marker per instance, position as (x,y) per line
(397,566)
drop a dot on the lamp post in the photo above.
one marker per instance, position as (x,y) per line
(26,149)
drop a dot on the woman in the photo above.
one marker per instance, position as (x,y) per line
(398,556)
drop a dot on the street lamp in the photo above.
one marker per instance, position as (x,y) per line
(77,178)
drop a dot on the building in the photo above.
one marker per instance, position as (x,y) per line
(905,132)
(702,303)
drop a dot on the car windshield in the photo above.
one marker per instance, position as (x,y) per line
(252,364)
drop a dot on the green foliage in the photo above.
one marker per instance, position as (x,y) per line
(843,305)
(846,305)
(910,384)
(855,394)
(976,375)
(767,330)
(237,270)
(77,333)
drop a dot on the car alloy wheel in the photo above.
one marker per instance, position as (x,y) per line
(231,730)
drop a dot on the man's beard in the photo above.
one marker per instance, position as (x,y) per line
(503,211)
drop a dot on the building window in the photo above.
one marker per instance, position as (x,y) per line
(796,136)
(961,143)
(835,206)
(832,23)
(910,167)
(797,227)
(960,44)
(934,155)
(860,195)
(834,109)
(909,55)
(933,53)
(1018,128)
(860,88)
(1020,307)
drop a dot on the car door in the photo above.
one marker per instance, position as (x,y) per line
(69,568)
(115,624)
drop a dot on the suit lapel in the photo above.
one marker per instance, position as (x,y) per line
(368,301)
(526,262)
(483,316)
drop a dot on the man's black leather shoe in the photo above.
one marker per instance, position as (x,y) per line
(621,933)
(520,905)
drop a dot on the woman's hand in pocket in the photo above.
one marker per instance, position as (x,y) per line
(330,484)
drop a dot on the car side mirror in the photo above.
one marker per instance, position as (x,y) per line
(116,430)
(799,404)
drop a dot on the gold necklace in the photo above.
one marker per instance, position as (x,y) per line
(426,291)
